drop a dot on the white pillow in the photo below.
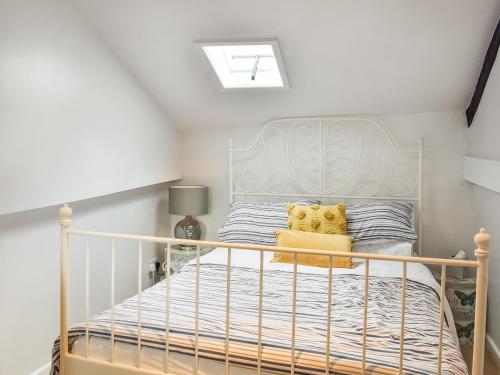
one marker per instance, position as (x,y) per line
(403,248)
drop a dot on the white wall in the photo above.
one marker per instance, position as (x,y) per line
(74,123)
(485,142)
(447,212)
(29,257)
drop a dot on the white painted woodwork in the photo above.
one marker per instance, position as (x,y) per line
(483,172)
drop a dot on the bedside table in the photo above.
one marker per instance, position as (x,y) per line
(179,257)
(461,295)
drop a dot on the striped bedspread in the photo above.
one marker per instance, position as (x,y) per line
(383,339)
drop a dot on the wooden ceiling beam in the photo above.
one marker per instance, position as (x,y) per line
(489,61)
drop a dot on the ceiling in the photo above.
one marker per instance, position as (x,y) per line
(341,56)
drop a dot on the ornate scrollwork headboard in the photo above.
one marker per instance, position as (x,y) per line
(332,158)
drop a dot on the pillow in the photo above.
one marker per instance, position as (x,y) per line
(309,240)
(316,218)
(391,220)
(275,206)
(256,223)
(391,247)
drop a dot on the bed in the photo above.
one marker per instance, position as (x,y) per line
(234,311)
(422,328)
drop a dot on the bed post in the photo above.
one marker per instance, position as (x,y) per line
(65,213)
(482,241)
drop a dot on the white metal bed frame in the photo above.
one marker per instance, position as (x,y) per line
(328,145)
(71,364)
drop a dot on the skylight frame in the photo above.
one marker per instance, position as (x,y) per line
(277,55)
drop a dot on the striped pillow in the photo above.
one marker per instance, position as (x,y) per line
(256,223)
(391,220)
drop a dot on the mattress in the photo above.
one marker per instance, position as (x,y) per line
(382,355)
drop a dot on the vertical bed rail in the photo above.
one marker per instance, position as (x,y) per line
(139,306)
(197,313)
(261,302)
(113,267)
(329,315)
(403,311)
(365,315)
(294,314)
(442,300)
(482,241)
(65,213)
(228,308)
(166,359)
(87,295)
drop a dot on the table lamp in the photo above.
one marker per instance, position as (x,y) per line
(188,200)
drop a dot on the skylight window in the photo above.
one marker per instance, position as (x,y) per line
(246,65)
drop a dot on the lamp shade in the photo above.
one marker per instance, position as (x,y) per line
(188,200)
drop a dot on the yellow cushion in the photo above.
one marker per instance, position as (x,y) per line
(317,241)
(316,218)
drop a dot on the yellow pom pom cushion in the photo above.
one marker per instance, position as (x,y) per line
(316,218)
(318,241)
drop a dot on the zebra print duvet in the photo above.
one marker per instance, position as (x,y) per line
(383,338)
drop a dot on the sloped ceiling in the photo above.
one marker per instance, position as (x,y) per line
(342,56)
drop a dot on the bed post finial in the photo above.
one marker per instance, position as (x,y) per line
(482,241)
(65,213)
